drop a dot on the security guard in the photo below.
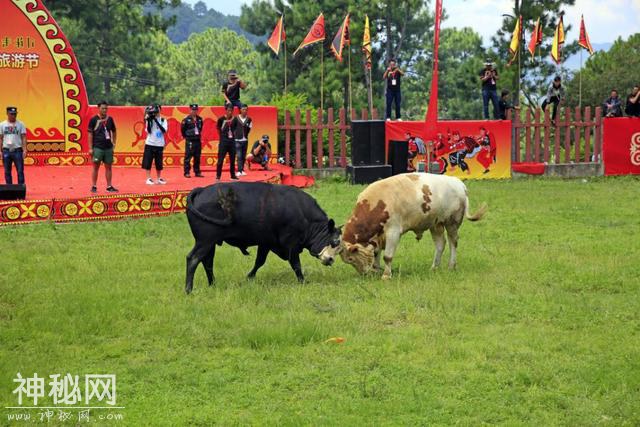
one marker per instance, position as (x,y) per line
(192,132)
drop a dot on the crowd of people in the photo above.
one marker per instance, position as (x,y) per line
(234,129)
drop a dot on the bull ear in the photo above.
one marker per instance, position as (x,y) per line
(332,225)
(353,248)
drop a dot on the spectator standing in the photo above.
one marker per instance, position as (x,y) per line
(489,78)
(227,143)
(13,139)
(101,137)
(191,129)
(241,125)
(633,103)
(231,89)
(392,76)
(156,128)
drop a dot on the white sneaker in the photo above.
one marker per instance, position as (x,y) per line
(150,181)
(399,120)
(161,181)
(243,173)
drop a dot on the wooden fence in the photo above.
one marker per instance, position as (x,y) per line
(574,137)
(330,136)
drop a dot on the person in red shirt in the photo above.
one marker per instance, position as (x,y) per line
(412,152)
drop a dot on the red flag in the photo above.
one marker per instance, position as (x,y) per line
(536,38)
(584,38)
(432,111)
(315,34)
(341,38)
(277,37)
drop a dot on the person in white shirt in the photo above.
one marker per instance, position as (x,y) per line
(156,128)
(13,139)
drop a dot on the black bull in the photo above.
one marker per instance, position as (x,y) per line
(276,218)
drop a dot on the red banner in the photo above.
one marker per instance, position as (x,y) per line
(621,146)
(464,149)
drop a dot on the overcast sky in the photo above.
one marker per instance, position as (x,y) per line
(605,19)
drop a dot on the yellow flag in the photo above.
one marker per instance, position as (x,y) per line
(558,41)
(515,39)
(366,42)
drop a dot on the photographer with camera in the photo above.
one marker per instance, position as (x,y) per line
(260,153)
(488,77)
(392,91)
(231,89)
(156,128)
(227,144)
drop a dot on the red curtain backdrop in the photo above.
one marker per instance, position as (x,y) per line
(621,146)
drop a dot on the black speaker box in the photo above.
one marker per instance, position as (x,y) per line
(360,135)
(367,174)
(398,156)
(377,139)
(12,191)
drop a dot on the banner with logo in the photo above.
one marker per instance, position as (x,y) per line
(621,146)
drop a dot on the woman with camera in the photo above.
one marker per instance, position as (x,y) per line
(156,128)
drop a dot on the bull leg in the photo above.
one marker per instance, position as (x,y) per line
(195,257)
(452,233)
(437,234)
(207,262)
(263,251)
(294,261)
(392,237)
(376,259)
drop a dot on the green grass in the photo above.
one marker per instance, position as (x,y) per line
(539,325)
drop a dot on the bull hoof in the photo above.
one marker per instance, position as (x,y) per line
(251,276)
(386,276)
(188,290)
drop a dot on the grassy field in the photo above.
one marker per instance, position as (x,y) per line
(539,325)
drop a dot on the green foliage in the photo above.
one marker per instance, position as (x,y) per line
(198,18)
(409,35)
(117,46)
(537,326)
(536,74)
(195,70)
(619,68)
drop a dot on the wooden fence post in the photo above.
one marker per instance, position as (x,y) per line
(597,144)
(577,123)
(547,136)
(287,137)
(309,128)
(536,139)
(297,134)
(330,136)
(320,132)
(527,136)
(587,134)
(343,138)
(567,135)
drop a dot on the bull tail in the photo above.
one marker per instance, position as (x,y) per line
(477,215)
(225,202)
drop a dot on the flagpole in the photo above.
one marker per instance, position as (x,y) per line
(285,66)
(370,91)
(580,82)
(321,77)
(350,103)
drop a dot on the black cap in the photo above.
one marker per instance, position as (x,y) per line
(244,106)
(193,106)
(557,79)
(265,137)
(12,110)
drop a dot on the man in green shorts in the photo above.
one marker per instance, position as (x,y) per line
(102,140)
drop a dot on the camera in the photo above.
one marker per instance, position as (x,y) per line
(151,111)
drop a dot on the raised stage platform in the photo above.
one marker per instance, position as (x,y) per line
(63,193)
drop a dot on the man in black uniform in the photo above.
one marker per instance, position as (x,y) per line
(231,89)
(191,132)
(227,143)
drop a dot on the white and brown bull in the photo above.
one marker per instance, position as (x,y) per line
(416,202)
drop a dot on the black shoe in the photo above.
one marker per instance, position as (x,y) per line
(112,189)
(199,175)
(94,189)
(234,177)
(187,175)
(217,178)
